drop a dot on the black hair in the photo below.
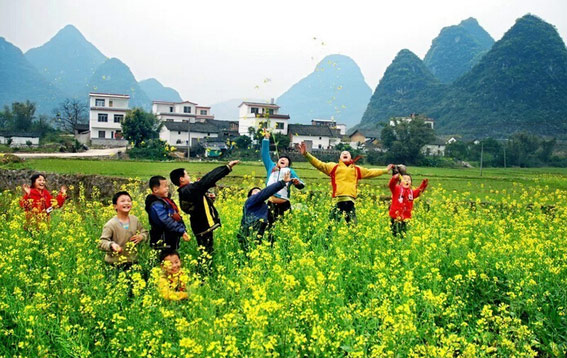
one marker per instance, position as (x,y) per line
(35,177)
(288,159)
(165,253)
(251,190)
(119,194)
(155,181)
(176,174)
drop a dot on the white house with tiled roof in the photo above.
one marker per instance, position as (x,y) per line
(175,111)
(106,113)
(314,136)
(256,115)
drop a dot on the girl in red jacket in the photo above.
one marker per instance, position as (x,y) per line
(37,201)
(402,201)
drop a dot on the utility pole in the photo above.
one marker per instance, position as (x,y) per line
(504,155)
(188,139)
(481,155)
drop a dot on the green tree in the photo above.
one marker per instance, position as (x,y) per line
(243,142)
(139,126)
(23,115)
(404,139)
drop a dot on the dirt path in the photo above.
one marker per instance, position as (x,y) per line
(89,153)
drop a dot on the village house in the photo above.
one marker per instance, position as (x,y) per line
(364,137)
(257,115)
(179,134)
(175,111)
(314,136)
(330,123)
(19,139)
(107,111)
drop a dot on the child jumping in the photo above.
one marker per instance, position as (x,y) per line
(279,202)
(122,229)
(402,201)
(167,226)
(344,180)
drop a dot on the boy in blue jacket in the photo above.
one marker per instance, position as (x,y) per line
(255,211)
(167,226)
(279,202)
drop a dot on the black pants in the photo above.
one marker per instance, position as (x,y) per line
(346,209)
(399,227)
(276,211)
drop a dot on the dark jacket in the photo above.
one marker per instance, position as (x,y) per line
(193,201)
(255,212)
(167,226)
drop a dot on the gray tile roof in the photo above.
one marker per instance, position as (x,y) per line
(313,131)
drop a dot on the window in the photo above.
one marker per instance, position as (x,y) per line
(170,109)
(203,112)
(101,134)
(279,125)
(254,110)
(109,103)
(103,117)
(186,109)
(178,141)
(178,132)
(320,138)
(271,111)
(118,118)
(99,102)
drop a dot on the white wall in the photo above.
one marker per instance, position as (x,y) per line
(171,137)
(121,103)
(323,143)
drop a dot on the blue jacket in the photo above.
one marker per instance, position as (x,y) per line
(274,176)
(255,211)
(165,230)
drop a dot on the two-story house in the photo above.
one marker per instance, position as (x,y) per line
(175,111)
(257,115)
(107,111)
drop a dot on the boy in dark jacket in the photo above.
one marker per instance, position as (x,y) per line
(167,226)
(255,212)
(194,201)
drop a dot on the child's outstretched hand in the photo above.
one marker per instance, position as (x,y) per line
(302,148)
(424,184)
(26,188)
(136,238)
(186,237)
(266,134)
(390,167)
(63,190)
(233,163)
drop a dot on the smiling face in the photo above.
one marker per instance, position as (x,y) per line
(171,264)
(406,181)
(162,190)
(283,162)
(345,156)
(123,204)
(39,183)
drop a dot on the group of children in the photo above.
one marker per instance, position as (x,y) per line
(262,208)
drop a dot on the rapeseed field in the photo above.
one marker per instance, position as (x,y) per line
(472,278)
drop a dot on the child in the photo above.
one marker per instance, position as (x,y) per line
(279,202)
(402,201)
(194,201)
(121,230)
(172,282)
(37,201)
(344,181)
(167,226)
(255,211)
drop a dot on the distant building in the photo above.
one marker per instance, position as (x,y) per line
(203,113)
(107,111)
(19,139)
(330,123)
(429,121)
(256,115)
(362,137)
(314,136)
(438,146)
(179,134)
(175,111)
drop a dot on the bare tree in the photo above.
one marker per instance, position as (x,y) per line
(71,113)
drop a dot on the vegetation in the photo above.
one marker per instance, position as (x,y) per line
(71,113)
(470,279)
(404,139)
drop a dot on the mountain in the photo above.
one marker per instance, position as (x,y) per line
(519,85)
(113,76)
(407,87)
(457,49)
(157,92)
(68,61)
(336,88)
(20,81)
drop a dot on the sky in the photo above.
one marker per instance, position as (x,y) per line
(213,51)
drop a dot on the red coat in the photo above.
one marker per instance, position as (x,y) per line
(402,199)
(39,201)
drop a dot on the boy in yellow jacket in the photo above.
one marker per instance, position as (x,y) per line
(344,180)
